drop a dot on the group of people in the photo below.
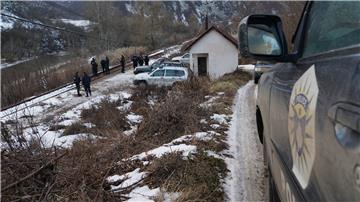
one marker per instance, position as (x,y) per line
(105,64)
(86,80)
(139,60)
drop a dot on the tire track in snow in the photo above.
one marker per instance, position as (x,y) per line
(245,182)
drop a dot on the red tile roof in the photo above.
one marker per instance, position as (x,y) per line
(222,32)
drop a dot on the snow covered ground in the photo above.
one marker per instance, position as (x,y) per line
(246,179)
(65,109)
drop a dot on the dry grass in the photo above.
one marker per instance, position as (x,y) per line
(80,174)
(197,178)
(230,83)
(176,113)
(75,128)
(106,117)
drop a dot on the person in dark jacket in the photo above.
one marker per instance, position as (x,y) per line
(94,66)
(86,80)
(77,81)
(103,65)
(122,62)
(134,59)
(141,60)
(107,65)
(146,60)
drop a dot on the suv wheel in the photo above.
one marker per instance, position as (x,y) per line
(142,84)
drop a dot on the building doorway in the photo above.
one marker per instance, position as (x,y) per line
(202,66)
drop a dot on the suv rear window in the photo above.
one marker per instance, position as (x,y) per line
(332,25)
(180,73)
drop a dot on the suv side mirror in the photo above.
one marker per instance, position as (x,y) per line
(261,37)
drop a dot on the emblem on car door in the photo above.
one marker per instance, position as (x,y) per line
(301,125)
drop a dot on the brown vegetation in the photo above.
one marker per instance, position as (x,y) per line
(197,178)
(32,172)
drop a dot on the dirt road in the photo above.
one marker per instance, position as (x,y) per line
(246,178)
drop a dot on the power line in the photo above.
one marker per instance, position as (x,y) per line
(55,28)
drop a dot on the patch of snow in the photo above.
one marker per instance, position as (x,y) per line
(53,138)
(53,101)
(114,178)
(151,61)
(130,131)
(213,154)
(126,106)
(247,68)
(162,150)
(220,118)
(133,118)
(143,194)
(67,122)
(78,23)
(89,125)
(130,8)
(215,126)
(170,196)
(184,138)
(67,141)
(129,178)
(183,19)
(156,53)
(204,136)
(203,121)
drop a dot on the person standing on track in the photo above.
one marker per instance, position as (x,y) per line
(107,65)
(146,60)
(94,66)
(86,80)
(141,60)
(103,65)
(77,81)
(134,60)
(122,62)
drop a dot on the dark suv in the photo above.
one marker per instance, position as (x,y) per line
(308,105)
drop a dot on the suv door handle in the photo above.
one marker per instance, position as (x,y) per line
(347,114)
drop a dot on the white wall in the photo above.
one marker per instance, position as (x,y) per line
(222,54)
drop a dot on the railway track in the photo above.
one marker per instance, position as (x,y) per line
(52,93)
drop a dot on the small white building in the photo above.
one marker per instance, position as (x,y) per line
(213,53)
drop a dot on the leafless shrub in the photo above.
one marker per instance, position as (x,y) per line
(106,116)
(230,83)
(75,128)
(197,178)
